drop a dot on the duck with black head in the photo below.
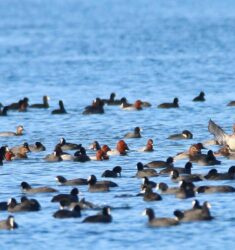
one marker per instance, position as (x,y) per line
(61,109)
(167,105)
(43,105)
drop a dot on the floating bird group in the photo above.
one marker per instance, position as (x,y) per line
(71,205)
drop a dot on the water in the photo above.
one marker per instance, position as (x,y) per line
(152,50)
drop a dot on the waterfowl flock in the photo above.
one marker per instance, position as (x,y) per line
(182,181)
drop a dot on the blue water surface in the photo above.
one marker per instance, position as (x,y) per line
(78,50)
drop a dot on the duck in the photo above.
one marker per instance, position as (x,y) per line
(226,152)
(103,217)
(113,101)
(149,195)
(26,188)
(186,134)
(221,137)
(30,204)
(167,105)
(115,172)
(43,105)
(215,189)
(95,146)
(136,106)
(81,156)
(97,107)
(37,147)
(121,149)
(68,198)
(192,153)
(232,103)
(61,109)
(3,112)
(21,150)
(175,177)
(186,170)
(161,221)
(19,132)
(64,213)
(198,214)
(25,205)
(147,182)
(64,155)
(141,172)
(22,104)
(96,187)
(68,145)
(21,153)
(8,155)
(135,134)
(214,175)
(161,164)
(148,147)
(78,181)
(54,157)
(9,223)
(101,154)
(207,160)
(165,189)
(200,97)
(186,190)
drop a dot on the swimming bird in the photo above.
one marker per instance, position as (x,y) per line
(167,105)
(200,97)
(198,214)
(97,107)
(54,157)
(232,103)
(165,189)
(141,172)
(113,101)
(26,205)
(175,177)
(222,137)
(214,175)
(68,145)
(148,147)
(81,155)
(64,213)
(121,149)
(78,181)
(37,147)
(61,109)
(147,182)
(68,198)
(116,172)
(96,187)
(136,106)
(161,221)
(186,134)
(186,190)
(185,170)
(104,217)
(9,223)
(135,134)
(206,160)
(44,103)
(19,131)
(149,195)
(215,189)
(161,164)
(26,188)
